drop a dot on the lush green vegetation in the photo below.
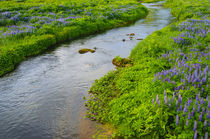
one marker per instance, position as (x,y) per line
(29,27)
(165,94)
(183,9)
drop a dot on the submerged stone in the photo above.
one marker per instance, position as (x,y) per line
(139,39)
(85,50)
(132,34)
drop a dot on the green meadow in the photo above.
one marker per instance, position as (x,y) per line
(165,94)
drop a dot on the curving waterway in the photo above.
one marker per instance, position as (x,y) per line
(43,97)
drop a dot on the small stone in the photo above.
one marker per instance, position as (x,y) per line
(85,50)
(139,39)
(132,34)
(123,40)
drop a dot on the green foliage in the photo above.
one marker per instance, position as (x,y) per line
(124,97)
(183,9)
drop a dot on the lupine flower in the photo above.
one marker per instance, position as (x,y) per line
(177,120)
(195,125)
(198,110)
(196,134)
(208,115)
(205,123)
(165,99)
(185,108)
(187,123)
(200,117)
(206,135)
(189,116)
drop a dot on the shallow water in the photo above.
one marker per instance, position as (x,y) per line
(43,97)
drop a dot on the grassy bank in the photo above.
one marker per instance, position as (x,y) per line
(165,94)
(29,27)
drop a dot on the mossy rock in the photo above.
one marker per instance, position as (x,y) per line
(122,62)
(85,50)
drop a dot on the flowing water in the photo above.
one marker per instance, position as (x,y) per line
(43,97)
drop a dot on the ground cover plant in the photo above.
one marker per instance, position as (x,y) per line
(165,94)
(28,27)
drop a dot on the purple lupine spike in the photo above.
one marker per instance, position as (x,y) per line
(187,123)
(197,98)
(200,117)
(169,102)
(188,102)
(203,90)
(185,108)
(157,98)
(209,104)
(189,116)
(164,92)
(205,123)
(196,134)
(180,98)
(173,97)
(196,102)
(180,107)
(207,97)
(208,115)
(198,110)
(174,83)
(165,100)
(201,101)
(195,125)
(177,103)
(158,102)
(177,120)
(206,135)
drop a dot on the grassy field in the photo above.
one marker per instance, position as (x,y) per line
(29,27)
(165,94)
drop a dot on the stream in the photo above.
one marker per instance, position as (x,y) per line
(43,97)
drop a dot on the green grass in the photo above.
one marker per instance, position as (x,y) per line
(123,98)
(183,9)
(25,25)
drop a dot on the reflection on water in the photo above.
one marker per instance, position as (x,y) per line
(43,97)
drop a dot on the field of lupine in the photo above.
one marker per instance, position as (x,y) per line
(165,94)
(29,27)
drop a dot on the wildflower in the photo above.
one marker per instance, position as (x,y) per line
(165,99)
(196,134)
(177,120)
(206,135)
(189,116)
(205,123)
(195,125)
(187,123)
